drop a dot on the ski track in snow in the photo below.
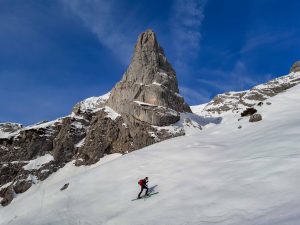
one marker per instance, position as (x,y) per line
(220,175)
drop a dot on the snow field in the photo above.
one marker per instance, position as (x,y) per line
(220,175)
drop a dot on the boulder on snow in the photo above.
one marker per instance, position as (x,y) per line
(255,118)
(7,195)
(64,187)
(248,112)
(22,186)
(260,103)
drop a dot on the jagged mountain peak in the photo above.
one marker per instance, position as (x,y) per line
(147,51)
(148,90)
(149,64)
(147,39)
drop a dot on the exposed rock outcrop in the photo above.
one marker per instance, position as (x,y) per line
(255,118)
(296,67)
(10,127)
(111,132)
(248,112)
(7,195)
(72,131)
(148,90)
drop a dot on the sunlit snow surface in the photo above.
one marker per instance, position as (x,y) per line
(219,175)
(92,103)
(38,162)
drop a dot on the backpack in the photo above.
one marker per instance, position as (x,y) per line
(141,182)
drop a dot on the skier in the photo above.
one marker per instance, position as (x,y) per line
(144,185)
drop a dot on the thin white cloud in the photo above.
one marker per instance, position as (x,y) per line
(187,17)
(117,28)
(112,25)
(258,39)
(239,78)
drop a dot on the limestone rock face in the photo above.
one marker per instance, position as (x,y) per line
(149,90)
(19,145)
(296,67)
(117,133)
(71,132)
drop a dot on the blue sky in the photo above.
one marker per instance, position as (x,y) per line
(55,53)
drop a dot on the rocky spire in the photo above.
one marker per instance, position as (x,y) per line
(149,64)
(149,89)
(296,67)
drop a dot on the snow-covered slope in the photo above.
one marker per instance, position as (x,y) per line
(218,175)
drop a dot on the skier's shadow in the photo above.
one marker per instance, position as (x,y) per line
(152,189)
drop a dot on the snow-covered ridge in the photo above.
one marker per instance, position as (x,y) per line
(237,101)
(91,104)
(47,125)
(43,125)
(7,128)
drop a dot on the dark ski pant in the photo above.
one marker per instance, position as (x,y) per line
(142,188)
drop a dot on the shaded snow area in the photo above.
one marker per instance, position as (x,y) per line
(38,162)
(220,175)
(189,124)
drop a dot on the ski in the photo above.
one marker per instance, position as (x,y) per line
(145,196)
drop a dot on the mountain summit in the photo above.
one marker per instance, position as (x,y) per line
(142,109)
(149,86)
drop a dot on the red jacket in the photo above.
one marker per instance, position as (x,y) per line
(142,182)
